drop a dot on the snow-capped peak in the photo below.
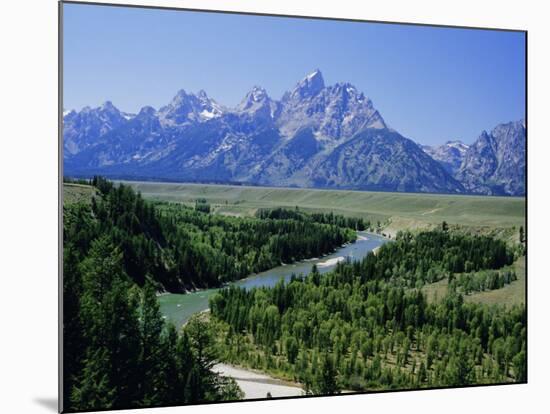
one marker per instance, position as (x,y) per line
(314,74)
(457,144)
(187,107)
(257,101)
(258,93)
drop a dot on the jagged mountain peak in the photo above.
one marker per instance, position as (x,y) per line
(455,146)
(495,162)
(257,101)
(256,94)
(455,143)
(349,95)
(316,135)
(314,77)
(82,129)
(345,87)
(484,134)
(180,95)
(450,154)
(507,127)
(183,98)
(333,112)
(146,111)
(309,86)
(108,106)
(186,108)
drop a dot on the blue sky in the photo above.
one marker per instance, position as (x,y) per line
(430,84)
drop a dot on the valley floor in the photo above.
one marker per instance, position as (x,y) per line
(509,295)
(395,211)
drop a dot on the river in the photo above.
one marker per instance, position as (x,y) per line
(180,307)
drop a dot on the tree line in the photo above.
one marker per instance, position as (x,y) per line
(467,283)
(414,260)
(359,328)
(280,213)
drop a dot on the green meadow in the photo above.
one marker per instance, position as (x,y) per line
(75,193)
(395,210)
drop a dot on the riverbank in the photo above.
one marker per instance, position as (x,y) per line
(180,307)
(258,385)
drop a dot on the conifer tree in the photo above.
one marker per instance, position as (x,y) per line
(93,390)
(151,326)
(325,382)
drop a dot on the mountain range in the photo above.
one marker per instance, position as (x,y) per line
(314,136)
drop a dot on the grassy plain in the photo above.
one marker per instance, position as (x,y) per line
(512,294)
(395,210)
(75,193)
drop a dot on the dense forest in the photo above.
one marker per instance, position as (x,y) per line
(368,326)
(117,350)
(119,251)
(178,247)
(326,218)
(413,260)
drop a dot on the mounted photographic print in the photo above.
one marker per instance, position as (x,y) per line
(259,206)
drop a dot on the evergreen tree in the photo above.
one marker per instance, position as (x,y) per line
(151,326)
(110,322)
(169,388)
(202,383)
(122,340)
(325,382)
(519,362)
(74,344)
(184,361)
(94,390)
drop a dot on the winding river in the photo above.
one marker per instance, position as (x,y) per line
(180,307)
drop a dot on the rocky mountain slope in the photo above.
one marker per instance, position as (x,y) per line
(315,136)
(495,163)
(450,155)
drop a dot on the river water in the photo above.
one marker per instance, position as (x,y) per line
(179,307)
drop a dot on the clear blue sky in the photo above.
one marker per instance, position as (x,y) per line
(430,84)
